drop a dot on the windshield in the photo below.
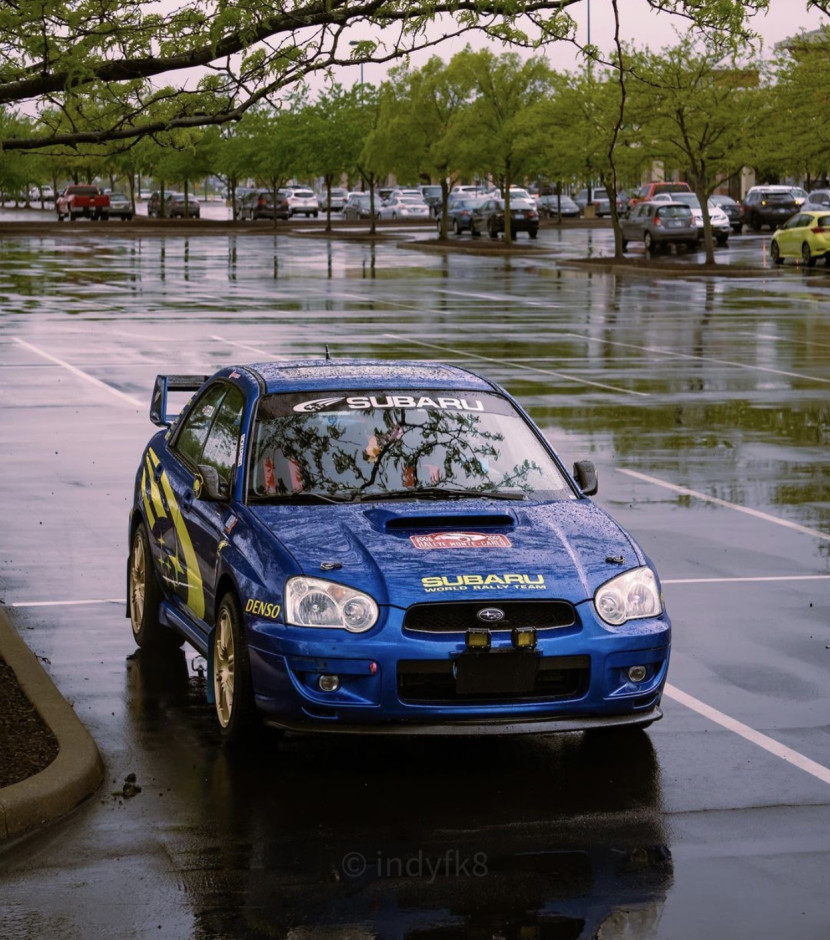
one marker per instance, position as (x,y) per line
(345,446)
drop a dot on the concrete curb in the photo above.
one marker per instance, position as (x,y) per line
(77,771)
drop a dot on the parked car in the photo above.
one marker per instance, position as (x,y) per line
(524,216)
(799,194)
(552,205)
(337,200)
(120,206)
(804,236)
(648,191)
(718,219)
(817,199)
(358,206)
(660,224)
(768,205)
(177,207)
(402,205)
(387,546)
(733,210)
(599,199)
(302,202)
(432,196)
(260,204)
(463,214)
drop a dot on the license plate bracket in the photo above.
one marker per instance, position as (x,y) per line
(496,673)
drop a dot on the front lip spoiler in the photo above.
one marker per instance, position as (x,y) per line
(475,728)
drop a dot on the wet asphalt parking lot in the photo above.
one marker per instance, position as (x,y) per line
(705,403)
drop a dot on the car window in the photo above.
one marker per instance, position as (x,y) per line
(196,442)
(823,221)
(220,450)
(674,212)
(361,444)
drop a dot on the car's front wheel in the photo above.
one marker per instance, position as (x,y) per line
(232,687)
(775,253)
(144,598)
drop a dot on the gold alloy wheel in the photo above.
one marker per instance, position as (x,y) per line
(138,575)
(223,661)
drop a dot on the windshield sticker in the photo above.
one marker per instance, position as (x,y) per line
(367,402)
(460,540)
(484,582)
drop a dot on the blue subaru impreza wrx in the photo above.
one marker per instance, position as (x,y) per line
(386,547)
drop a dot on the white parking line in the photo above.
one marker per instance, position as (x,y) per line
(79,373)
(245,346)
(560,375)
(785,577)
(750,734)
(685,491)
(96,600)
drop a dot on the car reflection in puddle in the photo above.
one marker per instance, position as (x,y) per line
(322,836)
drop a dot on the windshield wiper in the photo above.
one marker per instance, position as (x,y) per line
(437,492)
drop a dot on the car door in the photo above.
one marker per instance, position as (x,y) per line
(791,235)
(204,450)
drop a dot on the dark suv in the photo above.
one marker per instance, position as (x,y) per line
(768,205)
(260,204)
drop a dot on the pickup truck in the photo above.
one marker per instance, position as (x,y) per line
(80,200)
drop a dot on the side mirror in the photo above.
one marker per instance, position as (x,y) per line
(585,474)
(207,483)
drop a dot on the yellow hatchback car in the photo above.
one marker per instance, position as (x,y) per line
(805,236)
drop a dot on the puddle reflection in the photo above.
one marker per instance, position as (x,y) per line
(557,837)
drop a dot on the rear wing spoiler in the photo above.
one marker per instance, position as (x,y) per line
(161,390)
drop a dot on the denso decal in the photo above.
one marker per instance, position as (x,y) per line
(484,582)
(262,609)
(460,540)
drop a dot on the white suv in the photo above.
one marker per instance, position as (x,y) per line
(302,202)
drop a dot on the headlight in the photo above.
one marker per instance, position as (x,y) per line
(311,602)
(628,597)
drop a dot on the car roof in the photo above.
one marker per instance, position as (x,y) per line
(321,374)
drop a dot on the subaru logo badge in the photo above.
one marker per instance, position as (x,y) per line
(490,615)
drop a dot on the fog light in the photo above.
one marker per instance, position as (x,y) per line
(524,638)
(478,639)
(637,673)
(329,683)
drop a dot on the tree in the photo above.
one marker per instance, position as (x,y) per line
(331,137)
(692,108)
(496,134)
(219,59)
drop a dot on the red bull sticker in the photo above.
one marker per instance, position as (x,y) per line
(460,540)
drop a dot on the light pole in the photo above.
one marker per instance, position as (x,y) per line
(354,42)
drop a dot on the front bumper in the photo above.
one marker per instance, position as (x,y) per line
(393,681)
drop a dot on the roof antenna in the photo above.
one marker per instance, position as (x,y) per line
(328,357)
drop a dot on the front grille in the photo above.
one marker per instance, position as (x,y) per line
(433,682)
(460,616)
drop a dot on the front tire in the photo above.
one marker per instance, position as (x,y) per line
(232,686)
(144,598)
(775,253)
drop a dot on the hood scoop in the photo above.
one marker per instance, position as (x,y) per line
(389,521)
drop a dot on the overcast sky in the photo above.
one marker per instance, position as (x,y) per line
(638,24)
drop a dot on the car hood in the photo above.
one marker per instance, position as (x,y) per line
(403,554)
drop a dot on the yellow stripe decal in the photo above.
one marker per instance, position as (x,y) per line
(195,589)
